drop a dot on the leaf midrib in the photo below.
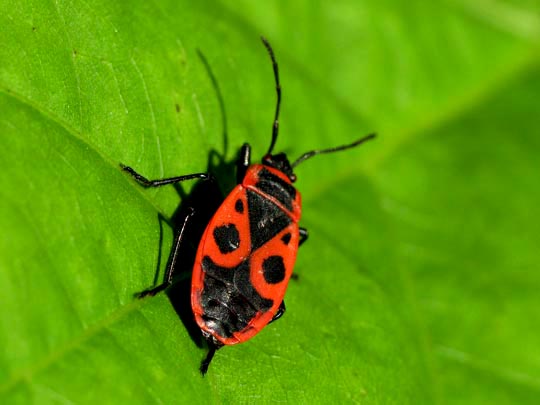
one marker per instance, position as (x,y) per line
(43,363)
(49,115)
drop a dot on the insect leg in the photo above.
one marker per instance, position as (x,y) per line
(303,236)
(212,348)
(281,310)
(244,160)
(143,181)
(171,265)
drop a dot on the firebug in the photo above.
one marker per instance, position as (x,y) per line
(246,255)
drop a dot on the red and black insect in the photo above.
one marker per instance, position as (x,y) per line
(247,253)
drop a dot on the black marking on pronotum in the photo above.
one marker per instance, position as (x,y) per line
(229,298)
(286,238)
(274,269)
(239,206)
(227,238)
(266,219)
(276,187)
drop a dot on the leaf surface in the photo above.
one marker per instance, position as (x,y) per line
(419,283)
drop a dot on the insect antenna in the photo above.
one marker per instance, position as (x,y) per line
(312,153)
(275,126)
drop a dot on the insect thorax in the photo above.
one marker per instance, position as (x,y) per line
(276,186)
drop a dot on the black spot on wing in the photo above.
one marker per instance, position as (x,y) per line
(274,269)
(227,238)
(286,238)
(239,206)
(266,219)
(276,187)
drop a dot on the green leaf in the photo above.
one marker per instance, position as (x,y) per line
(419,283)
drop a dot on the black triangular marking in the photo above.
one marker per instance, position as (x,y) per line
(266,219)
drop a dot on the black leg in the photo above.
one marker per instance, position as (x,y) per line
(171,265)
(212,348)
(143,181)
(281,310)
(303,236)
(244,160)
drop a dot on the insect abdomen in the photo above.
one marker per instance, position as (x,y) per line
(229,299)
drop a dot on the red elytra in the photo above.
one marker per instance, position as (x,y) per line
(246,255)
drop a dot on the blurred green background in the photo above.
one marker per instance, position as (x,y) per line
(420,281)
